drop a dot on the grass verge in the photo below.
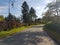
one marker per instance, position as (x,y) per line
(13,31)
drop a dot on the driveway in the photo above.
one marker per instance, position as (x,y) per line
(31,36)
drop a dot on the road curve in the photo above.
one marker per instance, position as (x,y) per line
(31,36)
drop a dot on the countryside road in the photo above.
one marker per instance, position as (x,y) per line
(31,36)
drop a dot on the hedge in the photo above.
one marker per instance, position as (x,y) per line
(5,25)
(53,30)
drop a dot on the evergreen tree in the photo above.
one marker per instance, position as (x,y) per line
(11,17)
(32,13)
(25,12)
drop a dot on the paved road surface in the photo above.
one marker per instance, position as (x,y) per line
(32,36)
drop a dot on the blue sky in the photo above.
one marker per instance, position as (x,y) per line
(38,5)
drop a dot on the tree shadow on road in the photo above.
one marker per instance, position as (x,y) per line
(38,26)
(25,38)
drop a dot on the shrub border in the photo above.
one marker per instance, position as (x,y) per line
(52,38)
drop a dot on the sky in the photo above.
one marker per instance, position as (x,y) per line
(38,5)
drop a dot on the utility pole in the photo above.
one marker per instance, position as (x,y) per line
(9,7)
(11,3)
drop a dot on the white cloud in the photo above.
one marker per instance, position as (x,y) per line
(2,8)
(38,7)
(40,10)
(48,1)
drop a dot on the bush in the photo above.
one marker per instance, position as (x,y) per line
(53,29)
(7,25)
(3,25)
(53,26)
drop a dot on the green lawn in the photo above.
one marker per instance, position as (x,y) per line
(12,31)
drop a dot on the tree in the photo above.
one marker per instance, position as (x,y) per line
(54,8)
(38,21)
(25,12)
(47,17)
(32,13)
(10,17)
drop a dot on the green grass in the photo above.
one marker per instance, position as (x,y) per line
(12,31)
